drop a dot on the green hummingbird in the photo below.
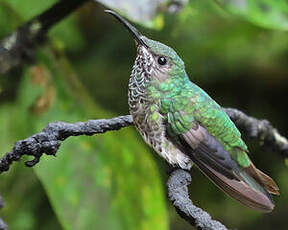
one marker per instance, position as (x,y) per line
(185,125)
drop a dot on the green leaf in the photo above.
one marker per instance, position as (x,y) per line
(264,13)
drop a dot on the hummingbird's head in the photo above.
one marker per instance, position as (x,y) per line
(153,58)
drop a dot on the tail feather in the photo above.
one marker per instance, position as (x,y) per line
(266,181)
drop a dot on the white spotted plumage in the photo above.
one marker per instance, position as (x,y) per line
(153,131)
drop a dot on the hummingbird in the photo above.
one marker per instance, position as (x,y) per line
(185,126)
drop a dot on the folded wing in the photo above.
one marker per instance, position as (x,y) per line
(244,184)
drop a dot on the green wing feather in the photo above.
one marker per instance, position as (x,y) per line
(192,105)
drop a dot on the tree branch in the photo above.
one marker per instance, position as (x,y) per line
(48,141)
(20,46)
(178,194)
(50,138)
(260,130)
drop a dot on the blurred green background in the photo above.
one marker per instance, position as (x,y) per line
(236,50)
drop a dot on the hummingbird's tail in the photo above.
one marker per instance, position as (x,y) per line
(263,179)
(248,185)
(246,190)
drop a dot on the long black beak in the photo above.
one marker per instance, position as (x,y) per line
(135,33)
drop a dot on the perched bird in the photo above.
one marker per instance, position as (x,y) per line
(184,124)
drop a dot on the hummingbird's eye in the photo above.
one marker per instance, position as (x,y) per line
(162,60)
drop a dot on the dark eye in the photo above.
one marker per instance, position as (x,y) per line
(162,60)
